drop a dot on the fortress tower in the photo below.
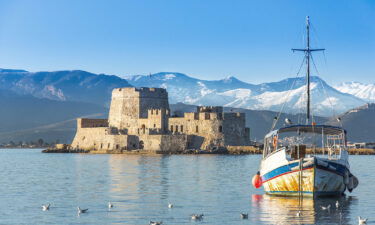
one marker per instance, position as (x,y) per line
(129,105)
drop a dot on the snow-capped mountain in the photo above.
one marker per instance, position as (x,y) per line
(232,92)
(360,90)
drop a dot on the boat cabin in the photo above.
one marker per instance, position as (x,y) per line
(298,140)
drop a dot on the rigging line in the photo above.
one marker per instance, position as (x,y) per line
(326,94)
(289,91)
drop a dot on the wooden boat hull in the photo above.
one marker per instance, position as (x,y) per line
(318,179)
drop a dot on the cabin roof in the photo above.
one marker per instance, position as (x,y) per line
(326,129)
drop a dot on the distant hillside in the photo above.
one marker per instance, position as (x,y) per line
(69,85)
(359,123)
(23,116)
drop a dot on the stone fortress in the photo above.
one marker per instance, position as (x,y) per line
(140,119)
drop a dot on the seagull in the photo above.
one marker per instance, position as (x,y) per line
(170,205)
(197,217)
(288,121)
(45,207)
(298,213)
(156,222)
(338,119)
(244,215)
(110,205)
(325,207)
(362,220)
(81,210)
(337,204)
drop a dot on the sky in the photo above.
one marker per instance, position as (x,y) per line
(209,39)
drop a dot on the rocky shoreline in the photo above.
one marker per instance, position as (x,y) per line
(233,150)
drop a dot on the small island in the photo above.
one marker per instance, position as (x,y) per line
(140,121)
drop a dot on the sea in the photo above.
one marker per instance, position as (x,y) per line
(140,187)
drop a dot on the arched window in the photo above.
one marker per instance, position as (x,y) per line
(182,128)
(196,129)
(176,128)
(143,129)
(171,128)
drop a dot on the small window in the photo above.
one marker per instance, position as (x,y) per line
(220,129)
(154,125)
(101,145)
(109,144)
(182,128)
(196,129)
(176,128)
(152,112)
(117,146)
(157,111)
(171,128)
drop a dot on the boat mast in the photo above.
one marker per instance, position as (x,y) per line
(307,52)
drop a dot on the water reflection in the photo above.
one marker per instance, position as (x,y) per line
(283,210)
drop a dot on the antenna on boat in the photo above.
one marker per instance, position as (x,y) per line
(307,52)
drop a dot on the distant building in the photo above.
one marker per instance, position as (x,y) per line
(140,119)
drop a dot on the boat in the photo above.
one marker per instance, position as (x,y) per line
(305,158)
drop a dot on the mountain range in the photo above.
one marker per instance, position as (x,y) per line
(360,90)
(45,104)
(288,94)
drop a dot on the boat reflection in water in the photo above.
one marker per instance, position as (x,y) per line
(283,210)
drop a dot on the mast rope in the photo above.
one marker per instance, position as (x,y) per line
(287,96)
(326,94)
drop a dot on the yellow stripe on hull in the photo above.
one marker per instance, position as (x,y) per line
(287,184)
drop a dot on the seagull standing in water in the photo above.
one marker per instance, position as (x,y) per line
(45,207)
(197,217)
(244,216)
(81,210)
(170,205)
(362,220)
(156,223)
(110,205)
(337,204)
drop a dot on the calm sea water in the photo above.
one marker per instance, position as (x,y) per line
(140,187)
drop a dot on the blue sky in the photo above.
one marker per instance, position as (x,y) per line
(205,39)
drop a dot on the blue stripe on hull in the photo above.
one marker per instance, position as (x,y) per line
(338,169)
